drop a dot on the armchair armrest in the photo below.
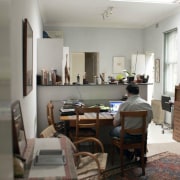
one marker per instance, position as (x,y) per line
(93,156)
(90,139)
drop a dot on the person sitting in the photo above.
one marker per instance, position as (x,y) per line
(133,103)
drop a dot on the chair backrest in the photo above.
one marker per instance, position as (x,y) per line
(48,132)
(50,114)
(127,115)
(87,118)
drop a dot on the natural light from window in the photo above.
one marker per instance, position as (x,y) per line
(151,1)
(170,61)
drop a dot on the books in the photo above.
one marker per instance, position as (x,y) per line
(50,157)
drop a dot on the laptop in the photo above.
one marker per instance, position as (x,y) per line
(114,106)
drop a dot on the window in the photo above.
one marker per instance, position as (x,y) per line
(170,61)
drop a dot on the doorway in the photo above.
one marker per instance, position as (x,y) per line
(84,63)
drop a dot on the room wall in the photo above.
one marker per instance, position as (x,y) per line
(25,9)
(108,42)
(6,165)
(153,41)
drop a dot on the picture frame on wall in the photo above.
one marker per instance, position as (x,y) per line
(27,58)
(157,70)
(118,64)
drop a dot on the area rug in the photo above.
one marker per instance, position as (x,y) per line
(163,166)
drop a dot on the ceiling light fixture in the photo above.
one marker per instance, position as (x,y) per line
(107,12)
(151,1)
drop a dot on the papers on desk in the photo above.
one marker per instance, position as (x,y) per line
(67,110)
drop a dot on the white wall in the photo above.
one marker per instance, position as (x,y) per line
(25,9)
(6,165)
(108,42)
(153,41)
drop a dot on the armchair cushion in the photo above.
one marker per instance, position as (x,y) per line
(89,167)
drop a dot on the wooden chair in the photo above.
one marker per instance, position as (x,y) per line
(48,132)
(59,126)
(88,165)
(138,143)
(87,123)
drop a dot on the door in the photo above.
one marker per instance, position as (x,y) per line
(77,66)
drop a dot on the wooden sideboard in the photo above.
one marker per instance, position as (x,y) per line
(176,115)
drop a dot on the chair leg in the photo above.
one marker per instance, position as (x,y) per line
(122,162)
(112,154)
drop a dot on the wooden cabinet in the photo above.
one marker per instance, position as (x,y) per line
(176,116)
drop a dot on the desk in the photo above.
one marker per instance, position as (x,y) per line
(66,172)
(105,119)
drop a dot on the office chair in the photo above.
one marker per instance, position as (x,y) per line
(136,142)
(166,105)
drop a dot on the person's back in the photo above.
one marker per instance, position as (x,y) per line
(136,103)
(133,103)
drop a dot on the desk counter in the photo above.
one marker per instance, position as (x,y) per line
(83,92)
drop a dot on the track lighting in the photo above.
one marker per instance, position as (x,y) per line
(107,12)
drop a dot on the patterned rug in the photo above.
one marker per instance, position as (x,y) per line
(163,166)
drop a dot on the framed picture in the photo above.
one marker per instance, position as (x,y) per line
(118,64)
(27,58)
(157,70)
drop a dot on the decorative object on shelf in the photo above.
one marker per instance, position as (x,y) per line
(85,81)
(107,12)
(118,64)
(120,78)
(102,76)
(78,79)
(27,58)
(157,70)
(66,70)
(130,76)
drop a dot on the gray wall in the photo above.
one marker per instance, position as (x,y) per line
(153,41)
(87,92)
(25,9)
(6,165)
(108,42)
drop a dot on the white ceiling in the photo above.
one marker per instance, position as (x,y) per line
(88,13)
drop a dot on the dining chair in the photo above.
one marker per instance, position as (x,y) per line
(90,165)
(59,126)
(48,132)
(87,123)
(136,139)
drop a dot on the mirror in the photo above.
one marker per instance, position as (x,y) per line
(19,137)
(84,63)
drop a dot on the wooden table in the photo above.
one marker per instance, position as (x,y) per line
(105,119)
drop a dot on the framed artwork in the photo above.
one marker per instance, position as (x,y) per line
(118,64)
(27,58)
(157,70)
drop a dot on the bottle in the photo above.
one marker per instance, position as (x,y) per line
(84,78)
(78,79)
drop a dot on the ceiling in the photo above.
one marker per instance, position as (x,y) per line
(88,13)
